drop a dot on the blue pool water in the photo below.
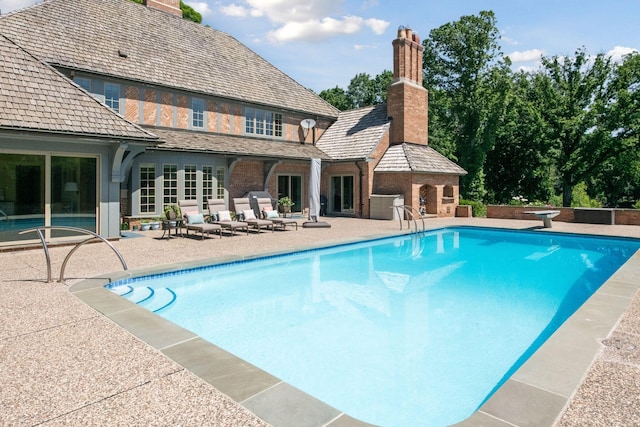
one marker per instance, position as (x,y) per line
(403,331)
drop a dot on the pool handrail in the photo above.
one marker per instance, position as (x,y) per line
(409,210)
(93,237)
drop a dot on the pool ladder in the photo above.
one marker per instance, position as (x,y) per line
(93,237)
(410,210)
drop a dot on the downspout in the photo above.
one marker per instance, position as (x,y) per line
(361,203)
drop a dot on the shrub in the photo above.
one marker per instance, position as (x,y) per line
(636,205)
(478,209)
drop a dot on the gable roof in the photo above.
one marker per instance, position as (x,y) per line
(206,142)
(34,96)
(161,49)
(407,157)
(356,133)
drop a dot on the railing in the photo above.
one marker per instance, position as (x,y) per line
(93,237)
(409,210)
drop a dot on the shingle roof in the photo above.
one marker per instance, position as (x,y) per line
(356,133)
(194,141)
(162,49)
(416,158)
(34,96)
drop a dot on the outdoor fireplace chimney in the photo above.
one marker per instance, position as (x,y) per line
(407,100)
(171,6)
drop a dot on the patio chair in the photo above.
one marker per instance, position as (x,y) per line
(266,207)
(222,216)
(194,220)
(248,215)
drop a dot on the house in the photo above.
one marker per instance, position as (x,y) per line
(194,114)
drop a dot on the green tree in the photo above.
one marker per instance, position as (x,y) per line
(519,164)
(616,175)
(572,95)
(338,98)
(465,73)
(362,90)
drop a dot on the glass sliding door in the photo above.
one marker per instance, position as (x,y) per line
(73,193)
(22,193)
(291,186)
(41,190)
(342,194)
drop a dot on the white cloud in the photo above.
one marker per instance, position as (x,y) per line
(309,20)
(525,55)
(377,25)
(618,52)
(234,10)
(201,7)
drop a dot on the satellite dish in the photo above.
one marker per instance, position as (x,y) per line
(307,123)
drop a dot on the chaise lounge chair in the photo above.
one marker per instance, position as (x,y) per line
(220,215)
(194,220)
(247,214)
(265,206)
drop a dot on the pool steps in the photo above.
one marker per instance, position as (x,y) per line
(152,300)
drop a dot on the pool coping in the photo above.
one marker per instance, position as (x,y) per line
(536,394)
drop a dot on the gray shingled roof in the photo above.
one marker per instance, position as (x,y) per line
(34,96)
(356,133)
(194,141)
(162,49)
(416,158)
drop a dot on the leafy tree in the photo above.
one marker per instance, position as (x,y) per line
(572,91)
(466,74)
(362,90)
(519,165)
(338,98)
(190,13)
(616,174)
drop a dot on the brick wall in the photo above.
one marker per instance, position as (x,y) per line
(182,109)
(131,103)
(627,216)
(166,109)
(150,107)
(246,176)
(516,212)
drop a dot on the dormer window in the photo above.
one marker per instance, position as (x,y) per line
(262,122)
(112,96)
(197,115)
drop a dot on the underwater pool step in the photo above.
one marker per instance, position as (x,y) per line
(162,298)
(121,290)
(139,295)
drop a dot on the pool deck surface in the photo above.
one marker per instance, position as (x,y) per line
(74,353)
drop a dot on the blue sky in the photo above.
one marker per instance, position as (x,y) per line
(325,43)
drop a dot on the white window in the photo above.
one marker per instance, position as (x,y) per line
(197,108)
(147,188)
(112,96)
(220,183)
(170,185)
(261,122)
(190,182)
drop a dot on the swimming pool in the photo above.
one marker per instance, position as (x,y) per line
(431,324)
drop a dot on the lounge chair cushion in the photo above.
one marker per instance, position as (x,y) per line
(224,216)
(269,214)
(249,214)
(195,219)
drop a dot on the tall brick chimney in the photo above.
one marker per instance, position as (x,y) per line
(407,100)
(171,6)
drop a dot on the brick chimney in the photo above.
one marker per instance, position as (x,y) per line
(171,6)
(407,100)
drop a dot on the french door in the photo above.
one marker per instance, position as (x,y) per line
(291,186)
(342,194)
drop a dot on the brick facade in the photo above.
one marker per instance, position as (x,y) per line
(150,107)
(407,100)
(171,6)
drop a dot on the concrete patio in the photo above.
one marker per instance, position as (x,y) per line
(66,363)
